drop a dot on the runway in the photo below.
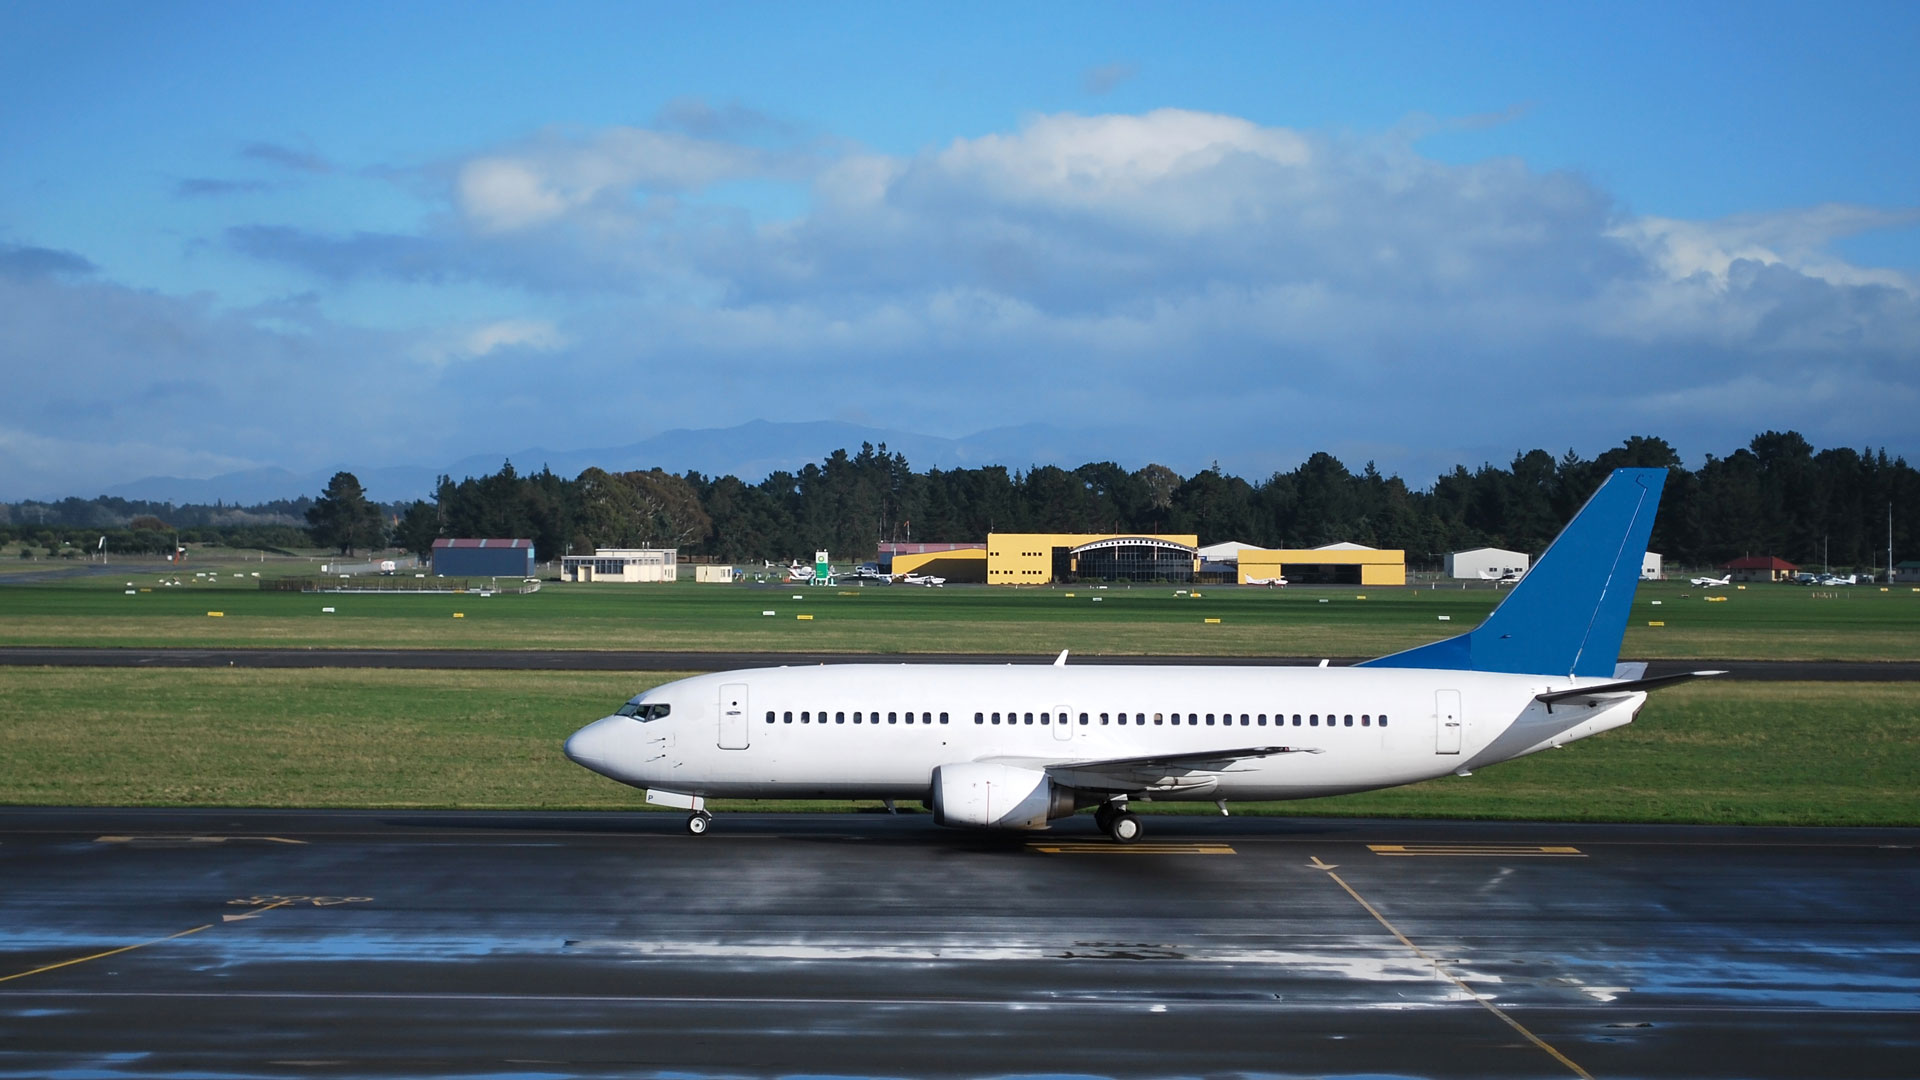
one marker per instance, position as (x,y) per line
(152,943)
(642,660)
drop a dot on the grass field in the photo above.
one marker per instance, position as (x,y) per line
(1776,622)
(1773,753)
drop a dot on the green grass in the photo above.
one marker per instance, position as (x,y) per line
(1775,622)
(1752,753)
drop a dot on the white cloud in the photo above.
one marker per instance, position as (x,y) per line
(529,333)
(1798,239)
(452,344)
(553,176)
(1168,271)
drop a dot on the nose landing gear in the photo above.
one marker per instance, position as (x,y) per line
(699,822)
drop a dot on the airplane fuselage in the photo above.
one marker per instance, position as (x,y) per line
(880,731)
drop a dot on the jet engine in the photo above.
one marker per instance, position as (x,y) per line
(983,796)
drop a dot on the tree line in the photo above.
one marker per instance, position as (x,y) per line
(1777,495)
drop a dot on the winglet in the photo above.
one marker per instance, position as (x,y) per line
(1061,660)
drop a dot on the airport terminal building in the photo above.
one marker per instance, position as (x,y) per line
(657,565)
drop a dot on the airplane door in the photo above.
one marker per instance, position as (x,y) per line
(733,717)
(1446,718)
(1063,723)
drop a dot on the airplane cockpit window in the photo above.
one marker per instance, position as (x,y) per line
(644,712)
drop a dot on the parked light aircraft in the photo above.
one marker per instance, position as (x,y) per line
(1710,582)
(1020,746)
(923,579)
(1268,581)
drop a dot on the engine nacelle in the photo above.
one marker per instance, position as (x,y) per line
(998,797)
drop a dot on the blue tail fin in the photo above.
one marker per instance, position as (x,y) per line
(1567,616)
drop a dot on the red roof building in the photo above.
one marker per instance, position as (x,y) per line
(1760,568)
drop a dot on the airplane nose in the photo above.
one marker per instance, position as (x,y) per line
(592,746)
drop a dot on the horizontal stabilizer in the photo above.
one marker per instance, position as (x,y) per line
(1629,687)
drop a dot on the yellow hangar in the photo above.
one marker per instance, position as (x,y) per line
(1333,565)
(1042,558)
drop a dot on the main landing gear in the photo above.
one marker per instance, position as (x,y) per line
(699,822)
(1117,821)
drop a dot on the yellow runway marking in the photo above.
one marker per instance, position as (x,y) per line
(1131,849)
(1519,850)
(99,955)
(1441,970)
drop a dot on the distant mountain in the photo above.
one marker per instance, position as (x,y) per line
(750,451)
(246,488)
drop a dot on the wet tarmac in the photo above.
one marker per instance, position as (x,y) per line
(144,943)
(644,660)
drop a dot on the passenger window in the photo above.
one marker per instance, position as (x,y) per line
(1193,719)
(996,718)
(1043,719)
(1366,720)
(1349,720)
(1263,720)
(1083,719)
(1209,719)
(943,718)
(787,718)
(803,716)
(839,718)
(1105,719)
(909,717)
(979,718)
(1383,719)
(1244,721)
(891,719)
(769,716)
(1296,719)
(1029,718)
(1313,720)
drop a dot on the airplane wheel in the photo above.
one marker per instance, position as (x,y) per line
(1126,828)
(698,822)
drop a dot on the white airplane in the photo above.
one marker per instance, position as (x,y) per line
(1504,577)
(800,575)
(1020,746)
(928,580)
(1268,581)
(1710,582)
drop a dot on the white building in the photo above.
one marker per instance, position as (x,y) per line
(712,574)
(1486,563)
(1650,567)
(623,564)
(1227,551)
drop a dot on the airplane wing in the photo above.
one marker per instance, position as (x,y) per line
(1151,772)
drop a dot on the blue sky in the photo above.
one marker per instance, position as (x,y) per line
(357,235)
